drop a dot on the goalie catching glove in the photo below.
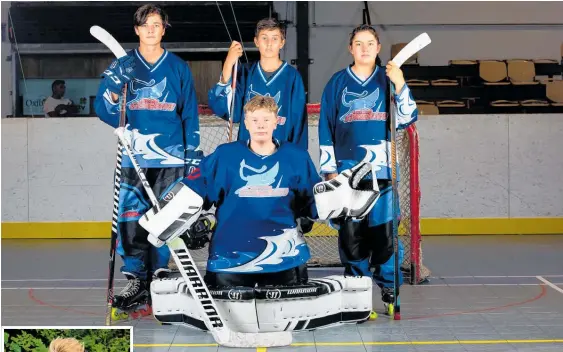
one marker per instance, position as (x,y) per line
(350,194)
(175,215)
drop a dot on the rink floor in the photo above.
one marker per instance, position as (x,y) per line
(486,293)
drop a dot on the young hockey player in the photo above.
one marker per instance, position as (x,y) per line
(163,130)
(271,77)
(260,186)
(354,127)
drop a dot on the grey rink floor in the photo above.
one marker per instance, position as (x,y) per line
(486,293)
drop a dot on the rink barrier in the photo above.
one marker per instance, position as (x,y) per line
(429,227)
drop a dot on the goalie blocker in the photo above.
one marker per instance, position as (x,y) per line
(321,303)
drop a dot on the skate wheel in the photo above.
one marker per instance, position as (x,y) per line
(117,315)
(372,315)
(390,309)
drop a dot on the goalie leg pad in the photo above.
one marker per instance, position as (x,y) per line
(173,216)
(173,304)
(321,303)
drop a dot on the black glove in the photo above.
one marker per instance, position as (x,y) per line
(119,72)
(200,232)
(305,224)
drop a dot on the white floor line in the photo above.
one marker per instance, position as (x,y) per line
(493,276)
(60,288)
(58,280)
(425,285)
(550,284)
(311,269)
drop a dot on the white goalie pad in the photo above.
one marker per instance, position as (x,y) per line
(321,303)
(173,216)
(350,194)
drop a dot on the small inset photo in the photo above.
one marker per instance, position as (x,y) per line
(67,339)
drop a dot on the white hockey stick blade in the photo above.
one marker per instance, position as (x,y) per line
(216,324)
(411,48)
(108,40)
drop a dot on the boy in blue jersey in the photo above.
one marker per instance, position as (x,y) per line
(354,127)
(260,187)
(271,77)
(163,130)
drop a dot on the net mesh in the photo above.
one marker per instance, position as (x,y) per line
(323,239)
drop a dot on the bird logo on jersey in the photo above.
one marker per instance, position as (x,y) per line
(360,106)
(259,185)
(148,94)
(252,93)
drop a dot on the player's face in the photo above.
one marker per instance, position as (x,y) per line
(365,48)
(269,43)
(260,124)
(151,32)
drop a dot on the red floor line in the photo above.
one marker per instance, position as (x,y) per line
(43,303)
(537,297)
(540,295)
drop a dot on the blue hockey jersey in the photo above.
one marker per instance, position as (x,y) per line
(162,117)
(258,199)
(285,85)
(354,125)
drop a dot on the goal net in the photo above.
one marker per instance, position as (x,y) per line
(323,240)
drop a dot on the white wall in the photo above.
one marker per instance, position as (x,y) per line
(470,166)
(459,30)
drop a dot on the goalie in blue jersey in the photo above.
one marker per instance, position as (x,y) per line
(162,128)
(354,127)
(256,268)
(260,186)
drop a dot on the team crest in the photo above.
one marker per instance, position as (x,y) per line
(149,96)
(360,106)
(259,182)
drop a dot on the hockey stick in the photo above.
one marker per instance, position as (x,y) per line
(409,50)
(103,36)
(199,291)
(232,107)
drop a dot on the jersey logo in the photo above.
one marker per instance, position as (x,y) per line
(360,106)
(194,174)
(259,184)
(148,96)
(252,93)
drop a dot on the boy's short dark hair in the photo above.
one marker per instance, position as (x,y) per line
(145,11)
(57,82)
(269,24)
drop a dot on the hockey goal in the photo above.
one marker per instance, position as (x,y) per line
(323,240)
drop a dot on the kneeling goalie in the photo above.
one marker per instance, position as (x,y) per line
(256,269)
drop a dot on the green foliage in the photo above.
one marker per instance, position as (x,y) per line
(94,340)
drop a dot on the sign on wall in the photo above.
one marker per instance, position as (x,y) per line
(79,91)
